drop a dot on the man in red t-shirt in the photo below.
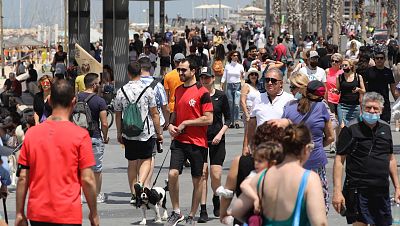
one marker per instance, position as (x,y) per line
(53,168)
(192,114)
(280,50)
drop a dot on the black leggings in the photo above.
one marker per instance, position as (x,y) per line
(37,223)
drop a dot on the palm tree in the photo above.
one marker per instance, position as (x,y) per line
(277,15)
(361,17)
(391,16)
(305,17)
(337,20)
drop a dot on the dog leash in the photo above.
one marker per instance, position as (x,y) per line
(159,171)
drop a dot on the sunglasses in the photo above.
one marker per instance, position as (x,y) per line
(235,55)
(45,83)
(183,70)
(272,80)
(379,58)
(253,74)
(292,87)
(345,65)
(336,61)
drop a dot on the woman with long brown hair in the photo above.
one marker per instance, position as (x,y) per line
(41,105)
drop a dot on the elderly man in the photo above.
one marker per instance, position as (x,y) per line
(268,106)
(367,147)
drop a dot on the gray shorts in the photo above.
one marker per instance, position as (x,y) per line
(98,152)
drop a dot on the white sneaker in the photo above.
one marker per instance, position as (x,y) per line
(397,129)
(101,198)
(221,191)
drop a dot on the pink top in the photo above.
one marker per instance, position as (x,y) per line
(331,83)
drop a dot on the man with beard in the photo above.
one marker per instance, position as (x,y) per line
(251,55)
(379,79)
(98,109)
(270,46)
(312,70)
(188,127)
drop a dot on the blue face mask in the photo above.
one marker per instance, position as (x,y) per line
(370,118)
(298,96)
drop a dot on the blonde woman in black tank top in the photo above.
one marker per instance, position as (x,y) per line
(350,86)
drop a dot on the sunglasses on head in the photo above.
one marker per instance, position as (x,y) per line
(272,80)
(183,70)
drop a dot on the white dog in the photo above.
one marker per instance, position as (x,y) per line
(153,199)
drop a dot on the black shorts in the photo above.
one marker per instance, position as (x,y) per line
(165,61)
(135,149)
(217,153)
(181,151)
(369,207)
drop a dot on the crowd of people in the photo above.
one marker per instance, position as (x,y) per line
(334,101)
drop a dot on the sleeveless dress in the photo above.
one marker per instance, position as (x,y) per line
(299,214)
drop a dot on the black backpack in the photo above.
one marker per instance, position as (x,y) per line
(82,115)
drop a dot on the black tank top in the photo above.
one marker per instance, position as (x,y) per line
(346,90)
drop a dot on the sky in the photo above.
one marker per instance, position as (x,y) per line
(49,12)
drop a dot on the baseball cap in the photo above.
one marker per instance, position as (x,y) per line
(316,88)
(312,54)
(205,71)
(253,70)
(179,57)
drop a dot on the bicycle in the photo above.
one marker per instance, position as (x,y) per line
(110,115)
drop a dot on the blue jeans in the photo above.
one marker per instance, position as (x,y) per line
(233,94)
(347,112)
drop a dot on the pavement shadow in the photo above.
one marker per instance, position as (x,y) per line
(110,201)
(119,194)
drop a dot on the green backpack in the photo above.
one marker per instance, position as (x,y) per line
(132,123)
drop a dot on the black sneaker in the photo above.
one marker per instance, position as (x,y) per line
(174,219)
(215,201)
(203,217)
(138,190)
(133,200)
(190,221)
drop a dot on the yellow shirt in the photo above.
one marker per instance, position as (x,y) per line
(79,83)
(171,82)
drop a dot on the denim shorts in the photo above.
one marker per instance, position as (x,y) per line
(98,152)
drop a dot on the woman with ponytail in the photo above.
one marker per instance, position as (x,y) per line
(310,110)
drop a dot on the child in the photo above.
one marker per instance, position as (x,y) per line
(265,155)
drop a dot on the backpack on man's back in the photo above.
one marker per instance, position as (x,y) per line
(132,122)
(82,115)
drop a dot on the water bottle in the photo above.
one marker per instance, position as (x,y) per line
(395,212)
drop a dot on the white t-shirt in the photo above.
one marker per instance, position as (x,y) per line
(264,110)
(316,74)
(232,72)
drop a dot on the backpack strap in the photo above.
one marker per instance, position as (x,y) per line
(141,94)
(153,83)
(126,96)
(86,100)
(300,195)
